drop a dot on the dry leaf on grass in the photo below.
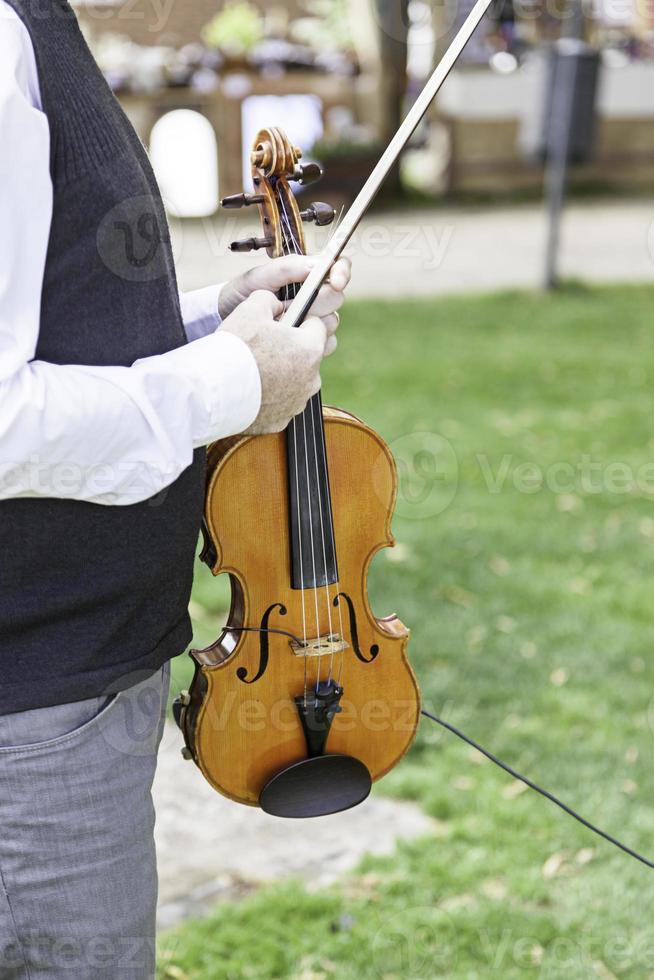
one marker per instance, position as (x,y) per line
(514,789)
(554,866)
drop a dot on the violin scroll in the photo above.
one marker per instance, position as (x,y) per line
(275,162)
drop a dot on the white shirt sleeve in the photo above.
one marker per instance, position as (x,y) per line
(200,311)
(109,435)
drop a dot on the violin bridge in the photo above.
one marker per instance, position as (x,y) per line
(321,646)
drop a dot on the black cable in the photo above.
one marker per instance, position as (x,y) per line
(259,629)
(539,789)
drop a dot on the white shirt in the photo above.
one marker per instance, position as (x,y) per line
(109,435)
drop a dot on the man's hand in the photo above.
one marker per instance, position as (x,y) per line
(288,358)
(278,273)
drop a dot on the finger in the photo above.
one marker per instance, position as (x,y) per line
(313,334)
(266,303)
(327,301)
(331,323)
(330,346)
(281,272)
(341,273)
(312,389)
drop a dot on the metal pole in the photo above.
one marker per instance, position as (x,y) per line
(558,154)
(564,87)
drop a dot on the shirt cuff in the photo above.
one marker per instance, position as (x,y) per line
(233,387)
(219,379)
(200,311)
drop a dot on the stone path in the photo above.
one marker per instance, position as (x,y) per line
(422,253)
(211,849)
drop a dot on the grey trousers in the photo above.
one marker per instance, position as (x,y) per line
(78,880)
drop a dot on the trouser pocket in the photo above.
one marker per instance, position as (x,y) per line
(41,726)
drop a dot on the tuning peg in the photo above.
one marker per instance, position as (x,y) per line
(307,173)
(241,200)
(321,213)
(250,244)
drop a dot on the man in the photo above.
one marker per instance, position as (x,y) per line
(111,385)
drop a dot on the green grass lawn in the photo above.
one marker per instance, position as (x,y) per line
(529,597)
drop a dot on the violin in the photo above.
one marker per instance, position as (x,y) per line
(306,697)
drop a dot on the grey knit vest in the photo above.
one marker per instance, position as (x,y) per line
(93,596)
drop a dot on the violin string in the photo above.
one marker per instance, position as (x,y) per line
(290,236)
(292,245)
(328,499)
(285,219)
(330,517)
(287,294)
(299,534)
(322,532)
(313,553)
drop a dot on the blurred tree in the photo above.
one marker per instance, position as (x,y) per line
(393,21)
(326,26)
(236,29)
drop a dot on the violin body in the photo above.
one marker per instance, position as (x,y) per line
(243,733)
(306,697)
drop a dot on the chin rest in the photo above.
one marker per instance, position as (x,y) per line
(317,786)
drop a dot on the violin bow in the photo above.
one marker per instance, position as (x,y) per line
(300,306)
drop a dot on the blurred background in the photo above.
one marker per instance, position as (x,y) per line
(499,337)
(549,95)
(338,74)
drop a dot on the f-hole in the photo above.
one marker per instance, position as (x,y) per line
(354,631)
(264,648)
